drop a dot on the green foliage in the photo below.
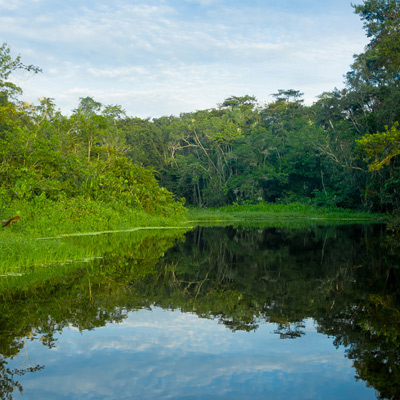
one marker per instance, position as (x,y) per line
(287,214)
(381,22)
(29,258)
(240,152)
(381,148)
(69,167)
(381,151)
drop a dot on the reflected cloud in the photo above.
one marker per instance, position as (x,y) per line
(165,354)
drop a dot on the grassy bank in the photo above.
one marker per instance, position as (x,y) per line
(44,234)
(43,217)
(278,212)
(22,244)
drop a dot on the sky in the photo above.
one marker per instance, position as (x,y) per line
(165,57)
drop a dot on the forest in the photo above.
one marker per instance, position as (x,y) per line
(342,151)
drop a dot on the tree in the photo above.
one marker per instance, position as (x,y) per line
(375,77)
(88,106)
(88,123)
(8,64)
(289,95)
(373,100)
(243,103)
(382,24)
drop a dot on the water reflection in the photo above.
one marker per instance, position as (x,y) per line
(263,284)
(162,354)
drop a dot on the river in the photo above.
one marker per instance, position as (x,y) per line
(237,312)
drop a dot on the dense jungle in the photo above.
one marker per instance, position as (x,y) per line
(341,151)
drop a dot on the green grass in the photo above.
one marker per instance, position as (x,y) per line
(279,212)
(48,218)
(21,245)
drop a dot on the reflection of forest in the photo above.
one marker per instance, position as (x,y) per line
(340,276)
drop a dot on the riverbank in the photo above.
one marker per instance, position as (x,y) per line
(21,244)
(280,212)
(39,237)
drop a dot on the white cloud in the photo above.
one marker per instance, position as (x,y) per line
(187,57)
(119,73)
(10,5)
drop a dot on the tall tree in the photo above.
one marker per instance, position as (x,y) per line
(382,24)
(375,83)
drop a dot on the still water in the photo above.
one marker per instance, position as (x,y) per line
(213,313)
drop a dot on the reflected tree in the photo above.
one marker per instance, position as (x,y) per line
(342,277)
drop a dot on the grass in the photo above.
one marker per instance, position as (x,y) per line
(20,246)
(48,218)
(19,252)
(279,212)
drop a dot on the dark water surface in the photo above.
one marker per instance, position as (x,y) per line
(216,313)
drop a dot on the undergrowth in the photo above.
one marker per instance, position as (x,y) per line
(270,211)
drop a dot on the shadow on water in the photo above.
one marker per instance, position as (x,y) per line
(343,277)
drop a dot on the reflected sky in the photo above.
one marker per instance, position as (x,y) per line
(161,354)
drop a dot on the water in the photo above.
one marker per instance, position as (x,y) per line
(223,313)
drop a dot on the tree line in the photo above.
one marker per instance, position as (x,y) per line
(342,151)
(46,156)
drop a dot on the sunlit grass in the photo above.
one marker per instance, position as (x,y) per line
(48,218)
(20,244)
(269,211)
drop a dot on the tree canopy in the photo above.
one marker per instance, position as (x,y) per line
(341,151)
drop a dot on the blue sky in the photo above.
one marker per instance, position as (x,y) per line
(163,57)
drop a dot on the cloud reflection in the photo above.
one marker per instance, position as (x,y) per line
(163,354)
